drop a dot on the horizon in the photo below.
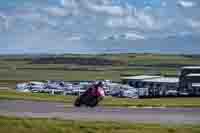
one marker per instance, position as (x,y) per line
(93,54)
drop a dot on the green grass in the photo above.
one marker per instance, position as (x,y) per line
(36,125)
(108,101)
(13,95)
(153,59)
(154,102)
(18,70)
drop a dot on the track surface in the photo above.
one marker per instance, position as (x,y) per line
(59,110)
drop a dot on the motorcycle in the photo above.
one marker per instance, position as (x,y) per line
(90,98)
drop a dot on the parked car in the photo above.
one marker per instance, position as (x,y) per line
(184,94)
(130,93)
(22,87)
(171,93)
(31,86)
(125,91)
(51,84)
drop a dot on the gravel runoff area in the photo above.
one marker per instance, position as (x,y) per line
(60,110)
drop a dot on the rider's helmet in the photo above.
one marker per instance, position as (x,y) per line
(100,84)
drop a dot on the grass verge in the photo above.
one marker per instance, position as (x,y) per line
(108,101)
(36,125)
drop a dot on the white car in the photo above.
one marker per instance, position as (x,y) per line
(171,93)
(59,85)
(130,93)
(36,85)
(23,90)
(78,91)
(125,91)
(22,87)
(30,86)
(184,94)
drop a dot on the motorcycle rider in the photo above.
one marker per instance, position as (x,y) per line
(92,96)
(97,90)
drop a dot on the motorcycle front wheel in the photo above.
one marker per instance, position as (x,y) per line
(77,102)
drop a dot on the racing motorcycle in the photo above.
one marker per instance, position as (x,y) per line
(91,97)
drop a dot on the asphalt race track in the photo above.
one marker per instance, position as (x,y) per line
(60,110)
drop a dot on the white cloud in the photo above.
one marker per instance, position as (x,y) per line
(164,3)
(2,16)
(106,8)
(68,3)
(56,11)
(140,20)
(186,4)
(74,38)
(194,23)
(127,36)
(4,22)
(62,2)
(134,36)
(146,20)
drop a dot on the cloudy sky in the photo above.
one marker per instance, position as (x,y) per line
(95,26)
